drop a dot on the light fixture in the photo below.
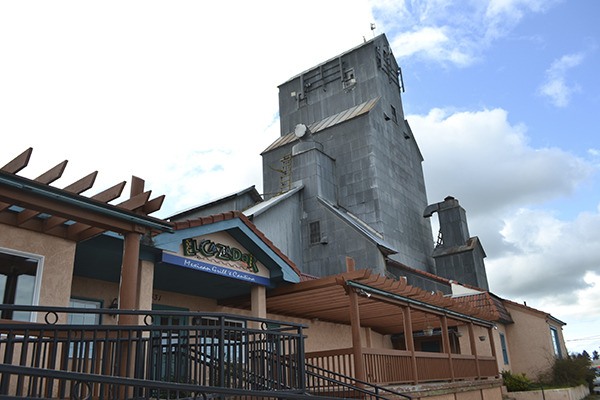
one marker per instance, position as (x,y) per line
(428,331)
(482,338)
(114,305)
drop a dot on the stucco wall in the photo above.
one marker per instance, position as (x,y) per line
(57,264)
(498,345)
(530,342)
(483,346)
(574,393)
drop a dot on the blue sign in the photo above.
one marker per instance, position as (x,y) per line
(214,269)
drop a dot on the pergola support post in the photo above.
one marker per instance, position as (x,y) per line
(129,277)
(446,344)
(410,342)
(474,349)
(359,366)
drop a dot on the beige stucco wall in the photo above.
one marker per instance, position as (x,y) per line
(461,390)
(56,265)
(319,335)
(530,342)
(483,346)
(574,393)
(498,345)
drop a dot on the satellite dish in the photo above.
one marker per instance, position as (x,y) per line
(300,130)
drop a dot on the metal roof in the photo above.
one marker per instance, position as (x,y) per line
(328,122)
(359,226)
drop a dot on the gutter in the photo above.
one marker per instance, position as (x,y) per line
(85,203)
(428,306)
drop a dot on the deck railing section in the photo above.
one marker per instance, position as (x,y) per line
(387,366)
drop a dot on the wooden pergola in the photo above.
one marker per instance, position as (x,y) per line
(35,205)
(362,299)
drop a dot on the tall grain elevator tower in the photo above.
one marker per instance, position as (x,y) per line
(347,149)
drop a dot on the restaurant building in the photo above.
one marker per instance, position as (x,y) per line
(328,286)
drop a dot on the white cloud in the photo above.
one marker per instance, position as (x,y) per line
(555,86)
(480,155)
(505,185)
(423,28)
(182,95)
(488,165)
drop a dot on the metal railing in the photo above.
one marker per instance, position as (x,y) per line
(170,354)
(163,355)
(323,382)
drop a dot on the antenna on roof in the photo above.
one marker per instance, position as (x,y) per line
(373,28)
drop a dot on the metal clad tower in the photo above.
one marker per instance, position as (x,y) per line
(358,162)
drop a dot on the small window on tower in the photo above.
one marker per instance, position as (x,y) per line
(349,80)
(394,115)
(314,232)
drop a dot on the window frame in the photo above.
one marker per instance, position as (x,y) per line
(35,300)
(504,348)
(555,339)
(316,234)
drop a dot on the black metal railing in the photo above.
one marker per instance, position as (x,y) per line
(323,382)
(163,355)
(168,355)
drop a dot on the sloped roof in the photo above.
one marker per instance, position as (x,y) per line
(527,308)
(328,122)
(264,206)
(359,226)
(251,191)
(236,220)
(488,302)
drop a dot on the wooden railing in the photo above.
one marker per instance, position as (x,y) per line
(386,366)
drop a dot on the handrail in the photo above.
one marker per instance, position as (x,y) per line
(358,384)
(203,390)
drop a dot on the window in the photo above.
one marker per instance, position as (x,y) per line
(83,349)
(504,350)
(20,276)
(84,319)
(394,114)
(555,342)
(349,80)
(314,232)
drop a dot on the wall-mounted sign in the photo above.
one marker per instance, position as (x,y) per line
(221,255)
(220,251)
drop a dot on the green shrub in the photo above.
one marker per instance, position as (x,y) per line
(572,371)
(516,382)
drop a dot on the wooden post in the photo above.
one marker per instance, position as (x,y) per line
(258,303)
(127,301)
(129,277)
(474,349)
(493,346)
(359,366)
(446,344)
(350,264)
(410,342)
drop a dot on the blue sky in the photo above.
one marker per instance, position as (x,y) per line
(503,97)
